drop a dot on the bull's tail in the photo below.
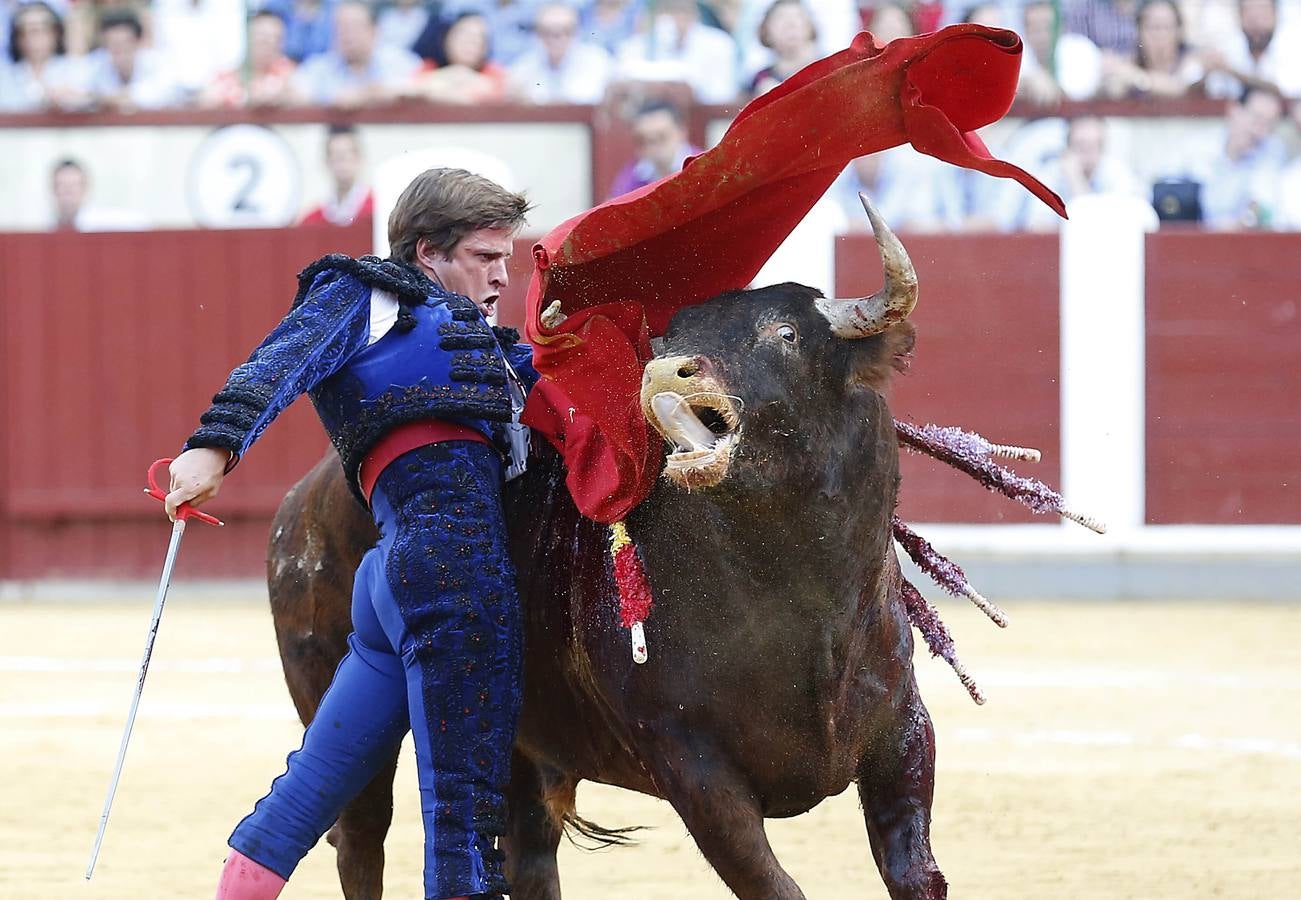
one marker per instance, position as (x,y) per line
(561,799)
(587,835)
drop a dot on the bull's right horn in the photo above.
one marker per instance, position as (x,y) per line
(866,316)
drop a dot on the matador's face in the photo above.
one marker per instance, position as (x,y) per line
(476,267)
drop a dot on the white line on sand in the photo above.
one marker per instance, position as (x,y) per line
(73,665)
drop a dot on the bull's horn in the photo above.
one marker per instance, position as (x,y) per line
(866,316)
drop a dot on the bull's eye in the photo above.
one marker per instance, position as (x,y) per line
(787,333)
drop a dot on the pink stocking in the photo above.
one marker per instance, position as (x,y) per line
(244,879)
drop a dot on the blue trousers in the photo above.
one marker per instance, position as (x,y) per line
(436,647)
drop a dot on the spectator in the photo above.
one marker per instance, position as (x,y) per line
(836,22)
(358,70)
(913,192)
(350,197)
(887,23)
(198,39)
(1289,212)
(608,23)
(69,188)
(662,147)
(788,31)
(1083,167)
(677,47)
(124,76)
(1240,181)
(462,69)
(509,23)
(1056,66)
(402,23)
(1109,24)
(1259,53)
(560,68)
(1163,65)
(309,26)
(41,75)
(267,76)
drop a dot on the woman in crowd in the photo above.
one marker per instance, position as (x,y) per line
(40,74)
(788,31)
(1163,66)
(458,66)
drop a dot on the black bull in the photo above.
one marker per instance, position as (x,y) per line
(780,653)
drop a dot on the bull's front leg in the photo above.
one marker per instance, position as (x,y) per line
(725,817)
(896,781)
(534,828)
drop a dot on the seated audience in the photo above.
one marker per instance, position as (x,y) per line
(350,197)
(1083,167)
(1259,53)
(462,69)
(197,39)
(126,76)
(267,76)
(660,133)
(1109,24)
(561,68)
(1289,203)
(358,70)
(836,23)
(677,47)
(1240,178)
(889,22)
(39,73)
(509,25)
(309,25)
(400,24)
(913,192)
(788,31)
(608,23)
(69,189)
(1163,65)
(1055,66)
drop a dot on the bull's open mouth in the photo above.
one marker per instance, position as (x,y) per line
(703,429)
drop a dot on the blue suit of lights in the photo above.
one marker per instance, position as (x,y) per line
(436,643)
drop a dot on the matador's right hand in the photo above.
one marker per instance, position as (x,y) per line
(196,477)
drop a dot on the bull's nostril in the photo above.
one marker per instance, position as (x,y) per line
(688,370)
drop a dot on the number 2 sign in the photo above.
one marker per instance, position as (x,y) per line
(244,176)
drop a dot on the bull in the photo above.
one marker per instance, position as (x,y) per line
(781,651)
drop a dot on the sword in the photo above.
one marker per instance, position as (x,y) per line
(183,513)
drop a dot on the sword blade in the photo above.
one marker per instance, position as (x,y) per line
(178,529)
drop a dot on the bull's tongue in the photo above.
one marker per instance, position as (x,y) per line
(679,423)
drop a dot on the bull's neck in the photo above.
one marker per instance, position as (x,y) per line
(790,540)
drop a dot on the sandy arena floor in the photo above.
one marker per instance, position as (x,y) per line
(1138,751)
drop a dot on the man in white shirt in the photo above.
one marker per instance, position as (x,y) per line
(558,68)
(69,188)
(1260,53)
(358,69)
(678,47)
(124,76)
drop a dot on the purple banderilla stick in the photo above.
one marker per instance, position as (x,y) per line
(971,453)
(926,619)
(944,571)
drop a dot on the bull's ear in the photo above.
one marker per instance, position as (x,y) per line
(874,359)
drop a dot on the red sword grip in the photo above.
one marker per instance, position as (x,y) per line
(184,511)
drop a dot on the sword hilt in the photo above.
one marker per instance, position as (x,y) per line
(184,510)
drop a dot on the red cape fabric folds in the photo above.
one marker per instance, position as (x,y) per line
(622,269)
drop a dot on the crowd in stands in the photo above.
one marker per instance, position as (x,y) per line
(126,55)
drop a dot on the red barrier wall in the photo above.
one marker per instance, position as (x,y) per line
(1223,357)
(112,345)
(986,358)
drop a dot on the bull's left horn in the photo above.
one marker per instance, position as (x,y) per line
(866,316)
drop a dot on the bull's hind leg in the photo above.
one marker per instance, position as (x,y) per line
(533,829)
(725,817)
(358,836)
(896,782)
